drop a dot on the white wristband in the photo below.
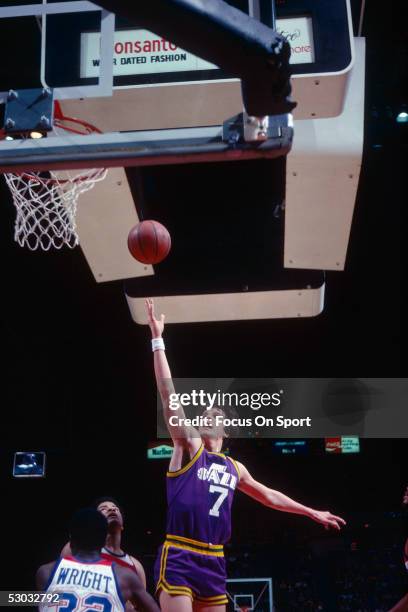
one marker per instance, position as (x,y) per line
(158,344)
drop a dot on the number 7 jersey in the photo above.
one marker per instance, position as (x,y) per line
(83,587)
(200,497)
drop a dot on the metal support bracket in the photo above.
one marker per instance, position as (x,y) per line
(243,128)
(28,110)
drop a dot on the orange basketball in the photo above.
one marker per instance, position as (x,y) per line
(149,242)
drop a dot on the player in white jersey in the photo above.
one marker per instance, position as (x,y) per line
(112,549)
(85,580)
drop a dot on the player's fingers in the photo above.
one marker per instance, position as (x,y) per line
(339,519)
(150,310)
(335,525)
(162,317)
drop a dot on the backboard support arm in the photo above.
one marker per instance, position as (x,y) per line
(227,37)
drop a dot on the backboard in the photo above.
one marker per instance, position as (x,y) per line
(83,51)
(147,93)
(250,594)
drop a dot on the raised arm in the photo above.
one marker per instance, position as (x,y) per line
(182,435)
(279,501)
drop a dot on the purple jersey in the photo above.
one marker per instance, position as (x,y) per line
(191,561)
(200,496)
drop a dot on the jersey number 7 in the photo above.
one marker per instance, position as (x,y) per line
(222,494)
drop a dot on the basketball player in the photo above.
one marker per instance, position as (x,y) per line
(402,605)
(85,580)
(190,569)
(112,550)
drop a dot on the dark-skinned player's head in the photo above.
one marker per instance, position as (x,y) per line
(88,530)
(112,511)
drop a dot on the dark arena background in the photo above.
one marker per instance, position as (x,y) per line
(78,384)
(359,569)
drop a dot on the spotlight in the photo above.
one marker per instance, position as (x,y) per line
(402,116)
(36,135)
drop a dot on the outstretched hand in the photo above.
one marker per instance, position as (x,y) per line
(156,325)
(328,520)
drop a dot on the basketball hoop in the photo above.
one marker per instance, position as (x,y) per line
(46,202)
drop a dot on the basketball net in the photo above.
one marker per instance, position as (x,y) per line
(46,202)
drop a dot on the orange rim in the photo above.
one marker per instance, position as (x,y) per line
(89,128)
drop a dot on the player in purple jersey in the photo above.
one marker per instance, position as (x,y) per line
(190,568)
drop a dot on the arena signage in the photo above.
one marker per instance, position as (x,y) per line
(161,451)
(138,51)
(342,444)
(299,33)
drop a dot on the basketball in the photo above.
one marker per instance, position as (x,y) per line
(149,242)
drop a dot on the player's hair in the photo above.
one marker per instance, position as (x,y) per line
(88,529)
(228,412)
(221,411)
(100,500)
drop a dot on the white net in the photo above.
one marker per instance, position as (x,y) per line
(46,202)
(46,205)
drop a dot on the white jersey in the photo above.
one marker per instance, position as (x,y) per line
(123,559)
(84,586)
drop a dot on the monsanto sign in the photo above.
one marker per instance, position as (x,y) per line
(138,52)
(142,52)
